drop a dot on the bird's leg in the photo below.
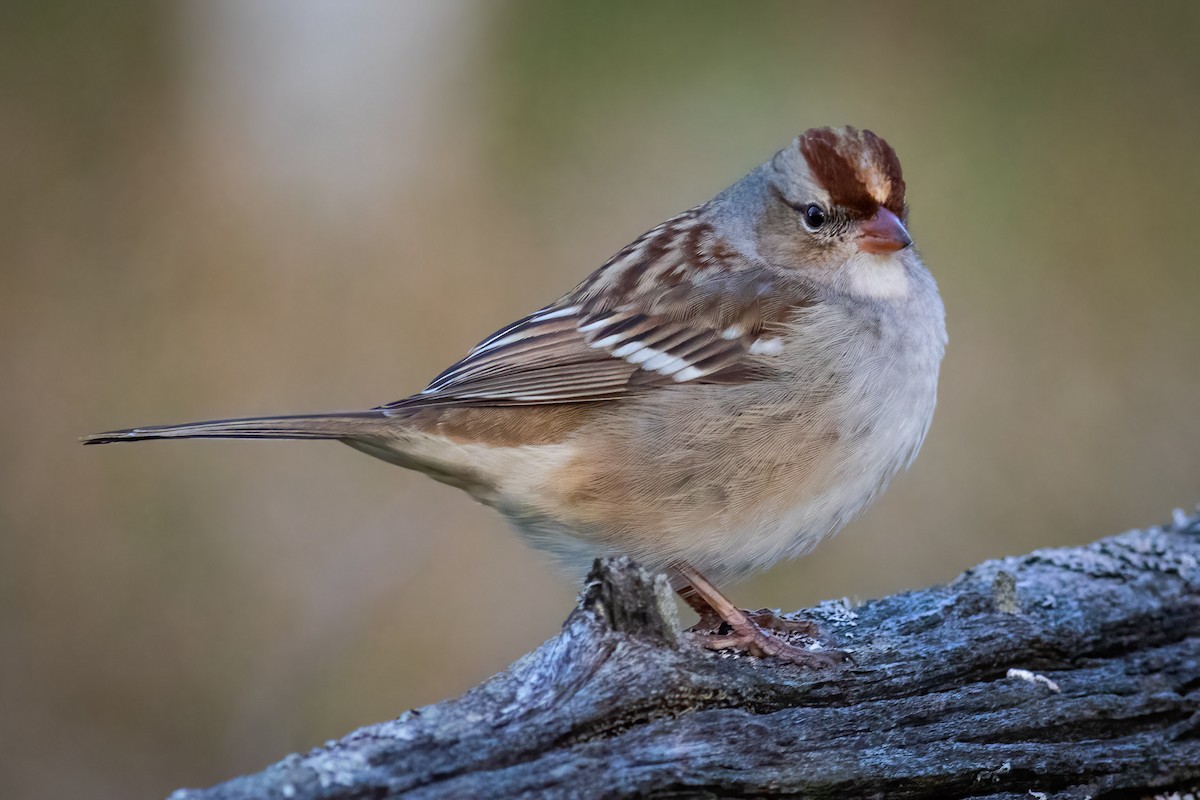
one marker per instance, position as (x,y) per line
(743,630)
(709,620)
(764,617)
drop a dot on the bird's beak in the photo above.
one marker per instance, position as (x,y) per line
(883,233)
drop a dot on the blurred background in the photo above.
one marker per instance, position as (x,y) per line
(219,208)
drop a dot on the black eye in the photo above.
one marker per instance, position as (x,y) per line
(813,216)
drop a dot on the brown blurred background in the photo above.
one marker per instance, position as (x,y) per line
(219,208)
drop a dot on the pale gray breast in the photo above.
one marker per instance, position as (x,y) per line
(872,369)
(893,359)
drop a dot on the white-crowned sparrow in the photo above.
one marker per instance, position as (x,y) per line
(725,392)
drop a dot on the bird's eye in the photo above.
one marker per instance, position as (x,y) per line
(813,216)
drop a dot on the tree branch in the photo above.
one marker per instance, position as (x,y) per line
(1066,673)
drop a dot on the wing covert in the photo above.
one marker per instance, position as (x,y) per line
(676,306)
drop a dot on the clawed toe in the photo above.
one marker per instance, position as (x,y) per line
(724,626)
(775,621)
(764,618)
(754,641)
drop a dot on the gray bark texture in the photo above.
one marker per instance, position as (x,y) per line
(1065,673)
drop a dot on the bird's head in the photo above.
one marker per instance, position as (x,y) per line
(835,209)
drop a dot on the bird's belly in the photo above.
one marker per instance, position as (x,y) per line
(764,486)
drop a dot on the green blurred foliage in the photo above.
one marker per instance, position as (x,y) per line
(173,614)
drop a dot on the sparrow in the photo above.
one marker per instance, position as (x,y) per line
(726,391)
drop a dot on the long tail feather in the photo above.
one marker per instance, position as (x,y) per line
(342,425)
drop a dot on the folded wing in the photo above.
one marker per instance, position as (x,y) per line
(674,307)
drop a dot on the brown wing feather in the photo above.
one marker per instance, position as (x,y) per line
(676,306)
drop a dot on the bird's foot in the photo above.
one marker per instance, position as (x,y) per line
(767,618)
(763,633)
(750,638)
(775,621)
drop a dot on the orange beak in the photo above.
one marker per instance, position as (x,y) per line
(883,233)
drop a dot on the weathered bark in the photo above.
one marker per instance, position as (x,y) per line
(1063,673)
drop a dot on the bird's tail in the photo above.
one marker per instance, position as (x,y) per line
(341,425)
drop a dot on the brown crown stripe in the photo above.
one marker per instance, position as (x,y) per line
(834,158)
(886,160)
